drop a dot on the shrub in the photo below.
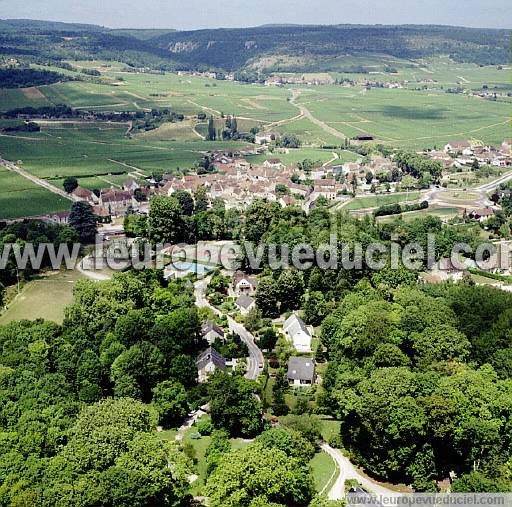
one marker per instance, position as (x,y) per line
(204,426)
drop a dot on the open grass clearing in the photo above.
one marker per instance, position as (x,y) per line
(45,297)
(324,471)
(461,195)
(442,213)
(375,201)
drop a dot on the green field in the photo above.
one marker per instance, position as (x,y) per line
(43,298)
(443,213)
(20,197)
(100,154)
(293,156)
(85,150)
(375,201)
(410,119)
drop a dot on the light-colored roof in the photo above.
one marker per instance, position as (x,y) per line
(240,275)
(294,325)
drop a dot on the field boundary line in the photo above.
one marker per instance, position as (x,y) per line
(10,166)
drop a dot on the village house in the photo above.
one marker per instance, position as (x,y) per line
(61,217)
(264,137)
(441,156)
(444,270)
(286,200)
(480,214)
(84,194)
(207,363)
(463,147)
(103,215)
(351,167)
(130,185)
(380,164)
(274,163)
(245,304)
(117,201)
(243,283)
(325,188)
(297,332)
(211,332)
(501,162)
(506,147)
(274,81)
(301,371)
(299,189)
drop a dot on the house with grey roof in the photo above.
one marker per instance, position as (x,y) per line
(245,304)
(301,371)
(211,332)
(207,363)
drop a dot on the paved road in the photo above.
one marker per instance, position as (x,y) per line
(38,181)
(255,360)
(441,197)
(349,471)
(85,267)
(495,184)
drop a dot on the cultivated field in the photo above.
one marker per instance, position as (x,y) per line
(20,197)
(100,154)
(409,119)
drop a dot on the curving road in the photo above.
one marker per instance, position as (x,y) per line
(255,360)
(349,471)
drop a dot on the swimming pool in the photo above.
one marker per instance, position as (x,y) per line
(190,267)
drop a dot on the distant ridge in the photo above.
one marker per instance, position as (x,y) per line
(266,48)
(56,26)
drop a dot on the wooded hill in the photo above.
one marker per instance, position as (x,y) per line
(238,49)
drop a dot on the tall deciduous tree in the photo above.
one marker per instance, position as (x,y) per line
(165,222)
(259,476)
(233,405)
(170,400)
(267,297)
(70,183)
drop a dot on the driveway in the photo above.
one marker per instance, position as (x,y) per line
(255,358)
(349,471)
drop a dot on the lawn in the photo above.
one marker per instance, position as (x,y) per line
(375,201)
(462,196)
(324,471)
(43,298)
(443,213)
(329,428)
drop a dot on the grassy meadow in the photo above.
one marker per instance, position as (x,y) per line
(45,297)
(375,201)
